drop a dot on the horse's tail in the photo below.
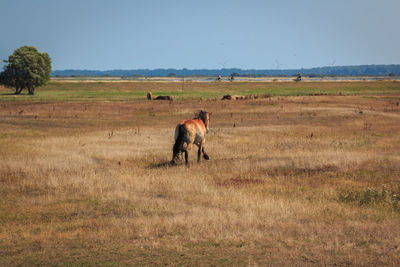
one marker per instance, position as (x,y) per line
(180,138)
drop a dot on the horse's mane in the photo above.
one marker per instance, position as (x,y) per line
(201,115)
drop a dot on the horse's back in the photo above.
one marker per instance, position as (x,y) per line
(195,130)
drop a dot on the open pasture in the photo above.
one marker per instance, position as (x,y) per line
(100,90)
(309,175)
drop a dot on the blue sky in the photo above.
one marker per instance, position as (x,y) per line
(252,34)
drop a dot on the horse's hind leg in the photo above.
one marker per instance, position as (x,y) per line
(175,156)
(206,157)
(186,157)
(201,147)
(187,150)
(199,154)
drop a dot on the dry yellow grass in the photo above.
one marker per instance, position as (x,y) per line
(297,181)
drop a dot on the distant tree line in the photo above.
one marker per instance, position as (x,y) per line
(361,70)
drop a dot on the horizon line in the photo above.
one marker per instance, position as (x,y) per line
(274,69)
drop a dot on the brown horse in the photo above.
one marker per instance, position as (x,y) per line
(191,132)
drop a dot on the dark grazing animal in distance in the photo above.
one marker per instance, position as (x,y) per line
(160,97)
(163,97)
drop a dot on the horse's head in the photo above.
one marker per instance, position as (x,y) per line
(205,117)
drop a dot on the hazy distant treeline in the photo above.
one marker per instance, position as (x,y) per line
(361,70)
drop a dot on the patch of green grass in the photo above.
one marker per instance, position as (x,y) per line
(372,197)
(128,91)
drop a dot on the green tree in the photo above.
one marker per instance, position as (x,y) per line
(27,69)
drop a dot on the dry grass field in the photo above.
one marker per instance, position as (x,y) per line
(291,180)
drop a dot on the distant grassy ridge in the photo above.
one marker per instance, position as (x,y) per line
(327,70)
(134,91)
